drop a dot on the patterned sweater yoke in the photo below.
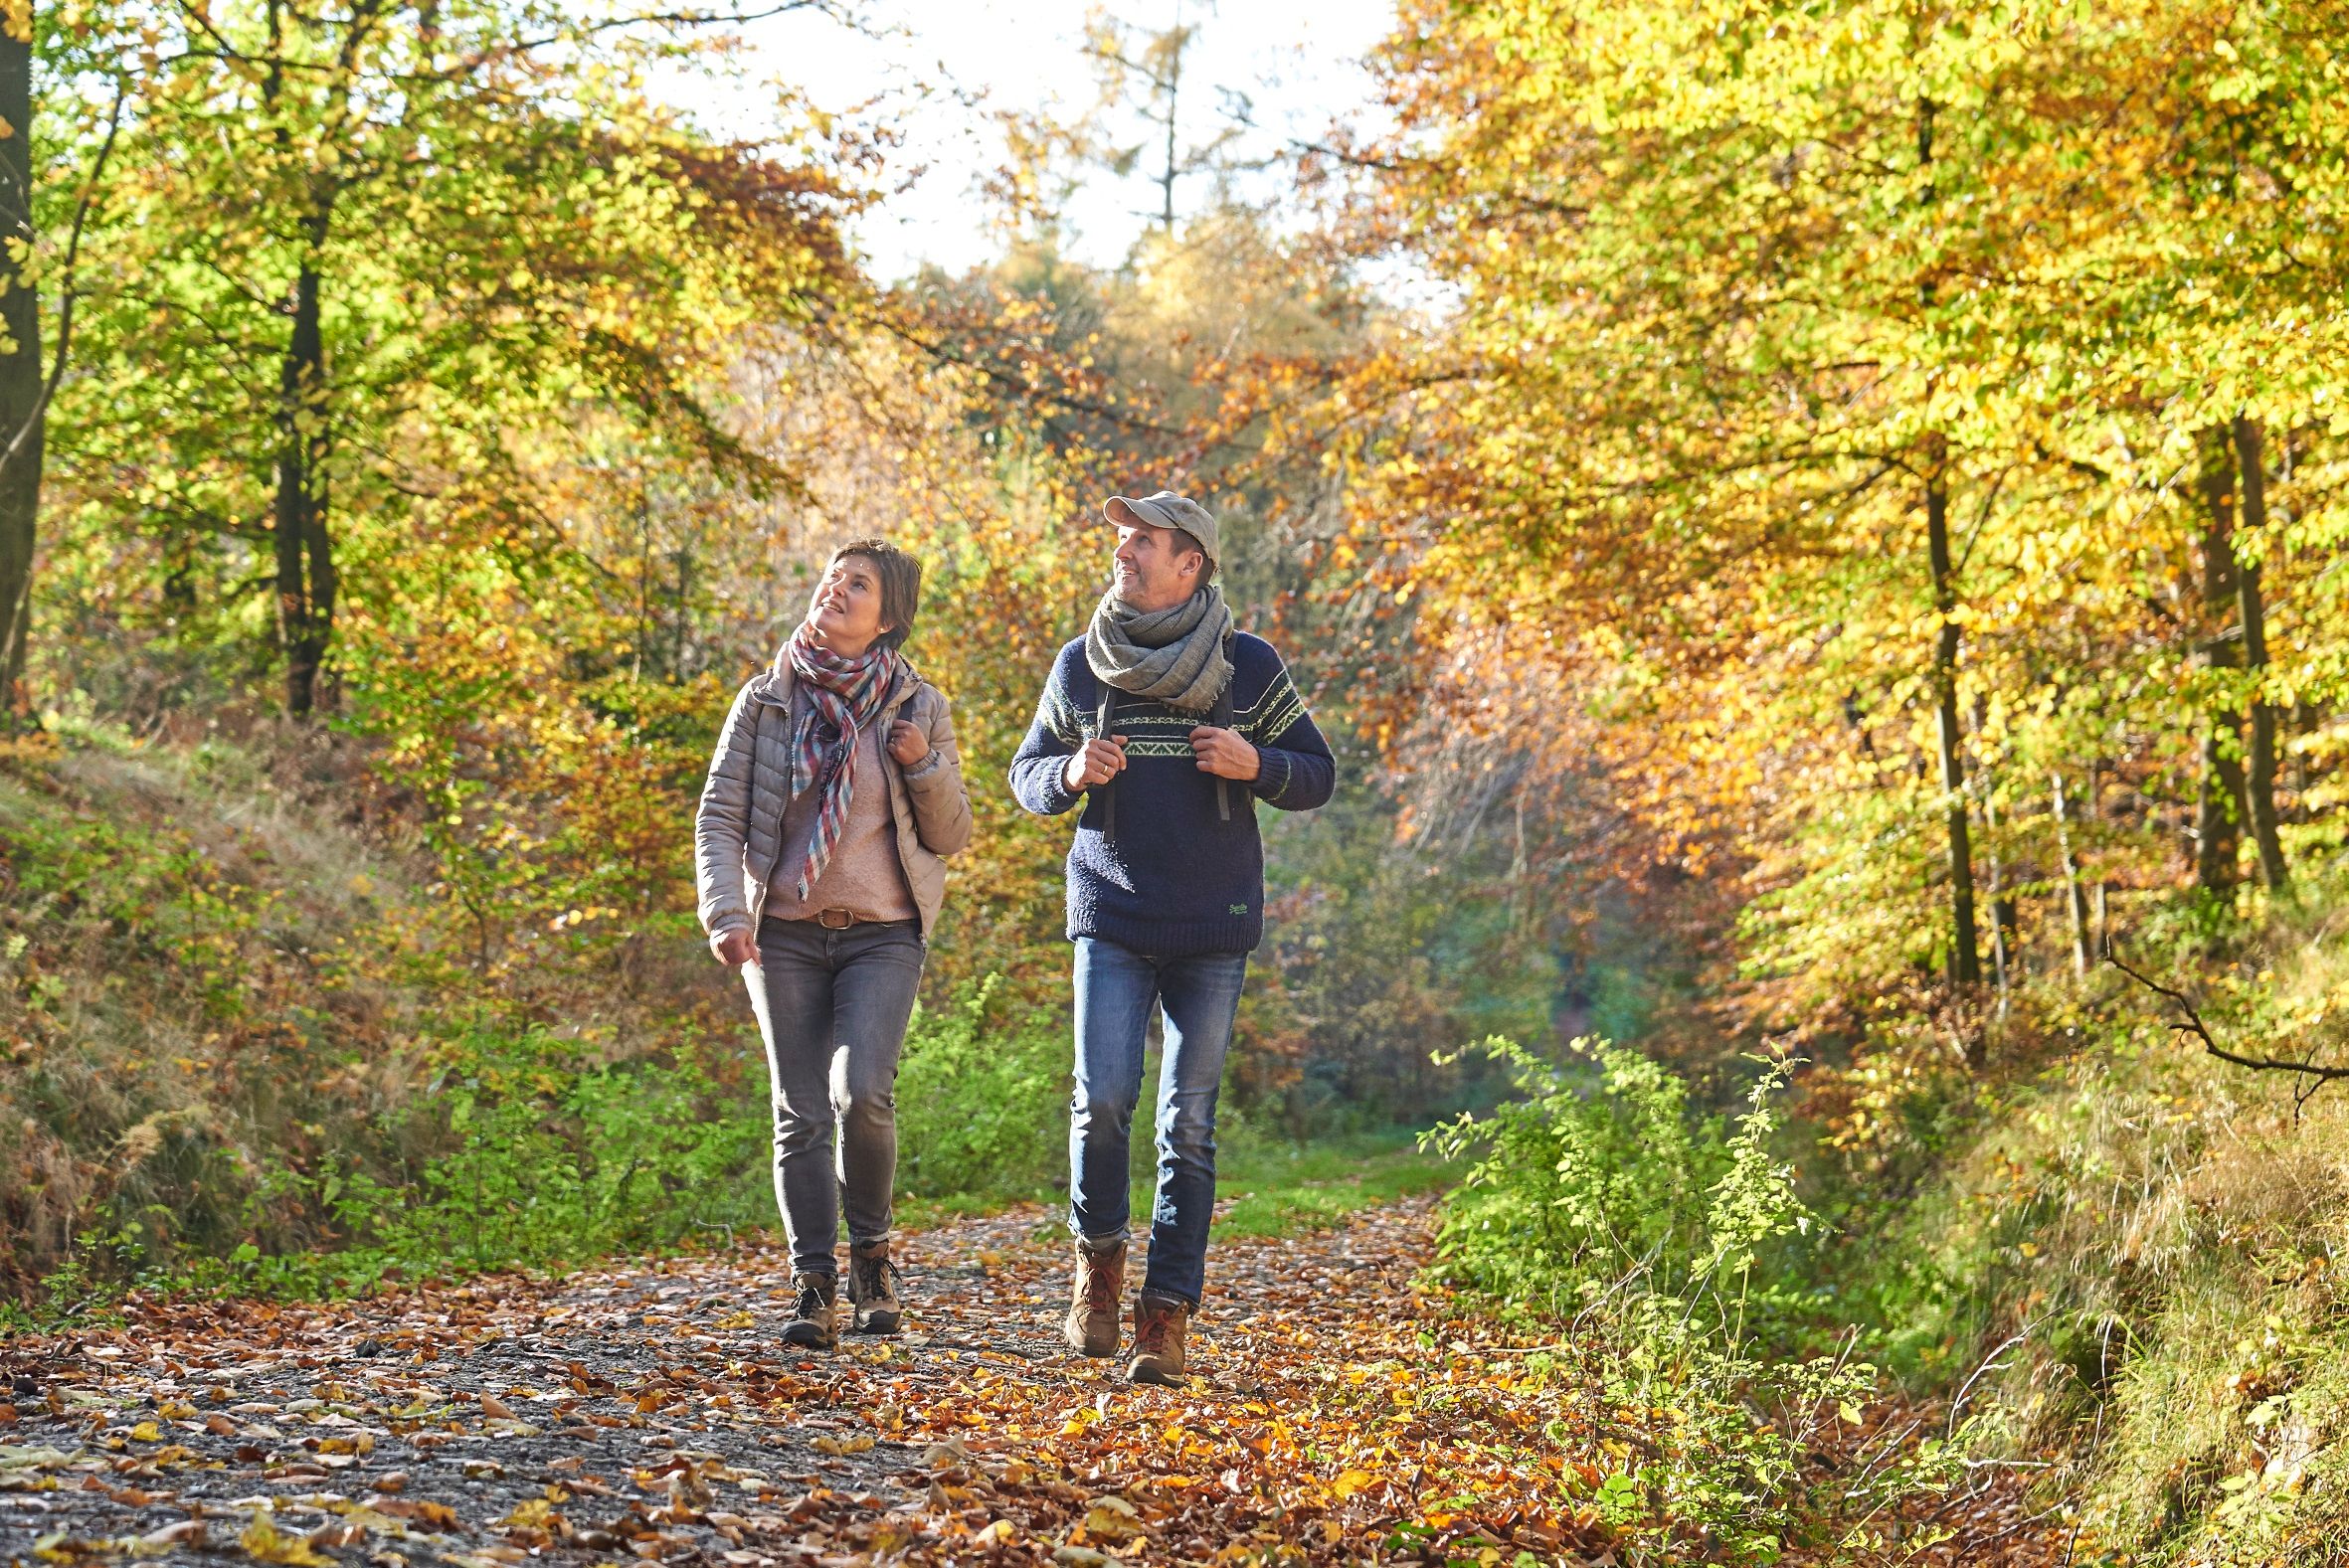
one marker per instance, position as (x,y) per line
(1152,728)
(1177,875)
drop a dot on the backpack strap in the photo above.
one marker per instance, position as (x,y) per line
(1107,789)
(1219,714)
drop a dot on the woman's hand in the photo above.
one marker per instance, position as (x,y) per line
(907,743)
(735,948)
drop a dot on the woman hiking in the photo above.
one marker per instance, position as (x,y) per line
(832,796)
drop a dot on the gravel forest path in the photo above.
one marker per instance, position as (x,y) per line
(649,1413)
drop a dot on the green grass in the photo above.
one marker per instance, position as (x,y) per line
(1268,1187)
(1282,1189)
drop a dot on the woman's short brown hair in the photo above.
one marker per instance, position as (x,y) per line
(900,572)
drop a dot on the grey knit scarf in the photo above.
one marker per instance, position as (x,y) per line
(1174,657)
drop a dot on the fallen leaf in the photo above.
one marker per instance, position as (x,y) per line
(62,1548)
(375,1521)
(190,1533)
(20,1456)
(1112,1518)
(426,1515)
(531,1512)
(263,1543)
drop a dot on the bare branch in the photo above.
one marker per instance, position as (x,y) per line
(2318,1074)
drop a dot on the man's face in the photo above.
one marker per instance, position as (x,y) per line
(1149,572)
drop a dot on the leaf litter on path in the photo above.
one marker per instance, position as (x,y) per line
(1338,1412)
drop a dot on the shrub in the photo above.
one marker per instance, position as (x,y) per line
(1598,1203)
(983,1098)
(532,1154)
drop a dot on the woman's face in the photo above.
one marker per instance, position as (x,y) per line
(845,612)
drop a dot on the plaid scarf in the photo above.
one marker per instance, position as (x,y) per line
(846,695)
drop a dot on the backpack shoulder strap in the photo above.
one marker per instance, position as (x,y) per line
(1219,714)
(1106,791)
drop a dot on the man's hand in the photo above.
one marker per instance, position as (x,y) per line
(735,948)
(1098,762)
(907,743)
(1223,754)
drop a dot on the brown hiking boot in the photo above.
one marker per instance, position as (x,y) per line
(1157,1339)
(814,1313)
(872,1290)
(1092,1325)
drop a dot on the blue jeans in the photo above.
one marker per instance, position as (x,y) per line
(832,1006)
(1116,989)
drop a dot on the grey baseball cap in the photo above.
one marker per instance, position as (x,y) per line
(1166,509)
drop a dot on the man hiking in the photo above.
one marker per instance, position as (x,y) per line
(1168,726)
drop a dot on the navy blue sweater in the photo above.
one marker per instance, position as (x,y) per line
(1173,877)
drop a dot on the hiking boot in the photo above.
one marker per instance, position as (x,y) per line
(1092,1324)
(872,1290)
(1157,1339)
(813,1313)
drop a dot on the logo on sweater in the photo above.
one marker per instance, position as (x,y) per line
(1240,909)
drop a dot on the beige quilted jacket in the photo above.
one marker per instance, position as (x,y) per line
(738,829)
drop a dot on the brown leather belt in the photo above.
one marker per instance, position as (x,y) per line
(833,919)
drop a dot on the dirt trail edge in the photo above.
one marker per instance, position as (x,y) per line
(651,1413)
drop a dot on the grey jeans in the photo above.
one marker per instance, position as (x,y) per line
(832,1007)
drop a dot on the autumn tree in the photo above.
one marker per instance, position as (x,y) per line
(1819,393)
(364,246)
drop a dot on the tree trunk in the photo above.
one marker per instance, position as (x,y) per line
(304,552)
(2006,945)
(21,384)
(2258,795)
(2076,899)
(2217,810)
(2005,923)
(1166,180)
(1965,950)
